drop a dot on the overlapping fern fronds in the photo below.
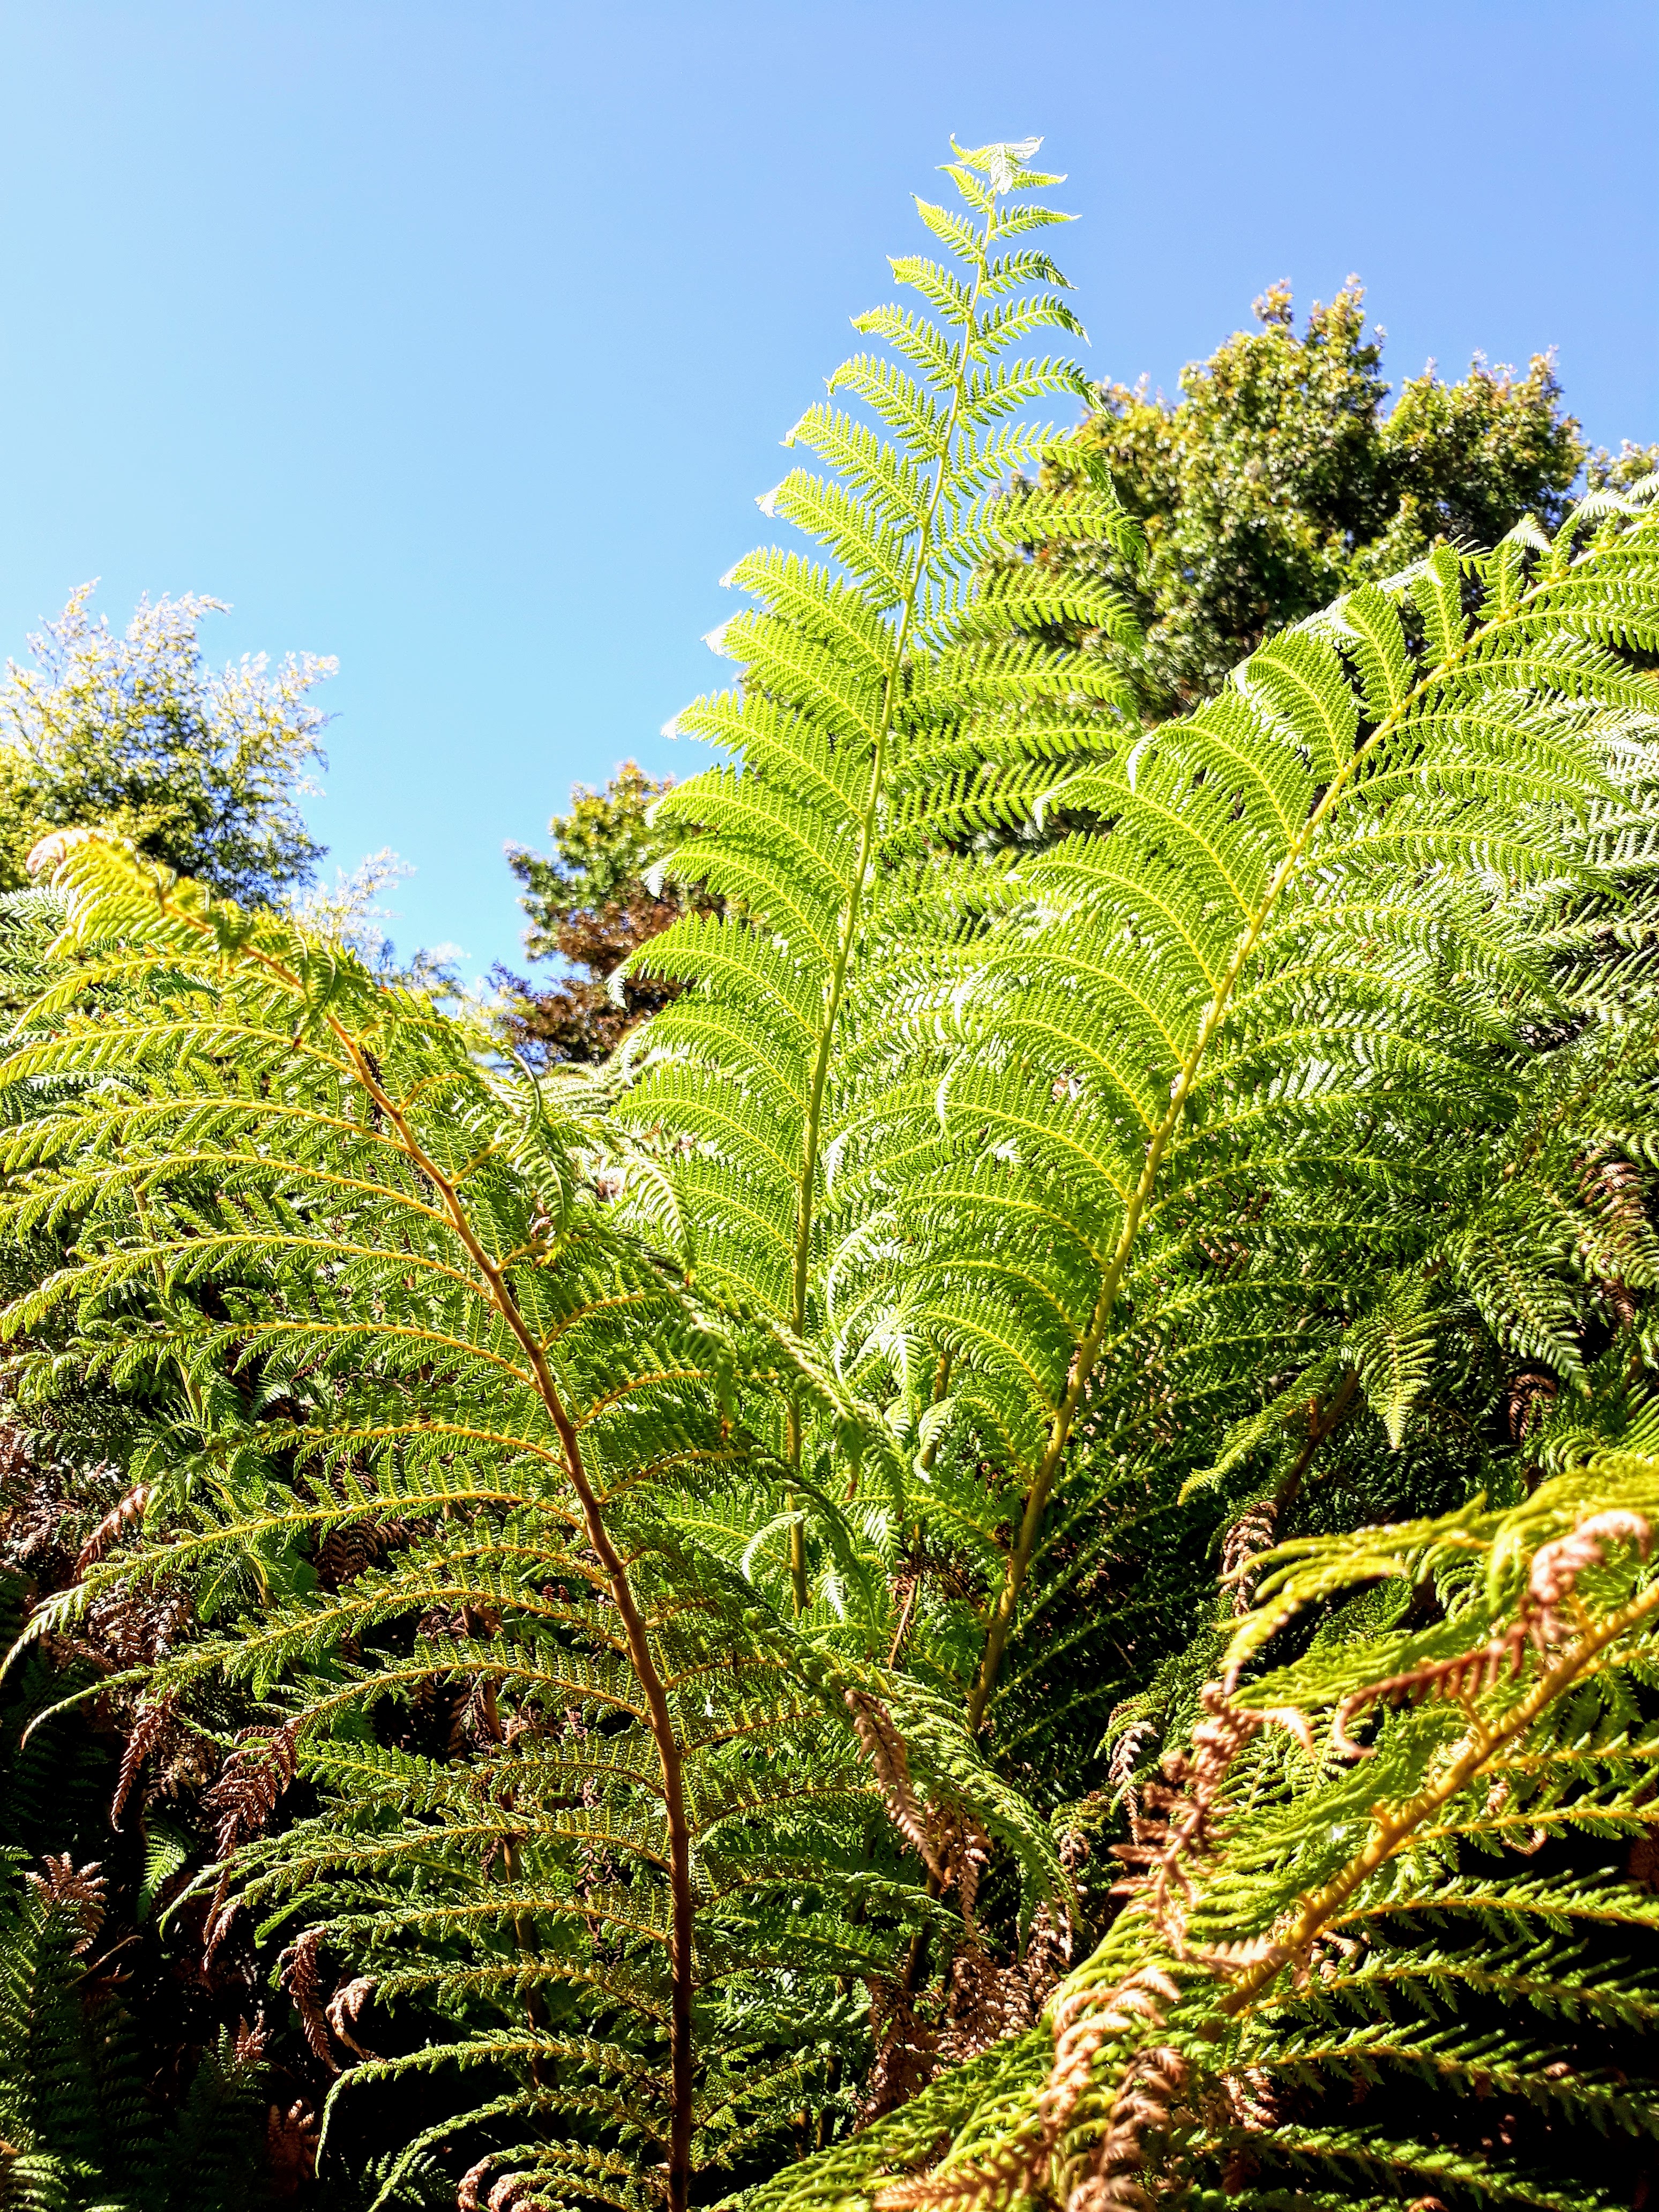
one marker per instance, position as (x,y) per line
(1390,1357)
(633,1504)
(1291,1378)
(963,1125)
(1326,1902)
(444,1465)
(1308,944)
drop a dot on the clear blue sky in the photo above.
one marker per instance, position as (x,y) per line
(456,340)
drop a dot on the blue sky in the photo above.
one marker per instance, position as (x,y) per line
(456,340)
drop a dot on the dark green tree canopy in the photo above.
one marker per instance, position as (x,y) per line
(1281,476)
(590,906)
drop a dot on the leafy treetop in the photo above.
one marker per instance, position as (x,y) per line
(1278,480)
(592,903)
(202,771)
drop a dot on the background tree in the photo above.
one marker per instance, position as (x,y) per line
(590,904)
(204,771)
(1280,478)
(1631,464)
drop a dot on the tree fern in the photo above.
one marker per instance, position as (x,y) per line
(657,1517)
(1256,1396)
(451,1477)
(1312,911)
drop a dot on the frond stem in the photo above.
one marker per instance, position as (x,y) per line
(639,1644)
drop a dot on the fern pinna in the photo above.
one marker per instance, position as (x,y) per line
(452,1483)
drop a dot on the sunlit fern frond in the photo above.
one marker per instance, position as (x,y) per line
(1302,954)
(945,1115)
(898,700)
(449,1467)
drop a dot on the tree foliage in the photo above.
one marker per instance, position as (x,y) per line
(202,770)
(1280,478)
(592,903)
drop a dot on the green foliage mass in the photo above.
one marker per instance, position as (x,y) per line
(202,771)
(81,2134)
(602,850)
(1014,1559)
(596,899)
(1280,478)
